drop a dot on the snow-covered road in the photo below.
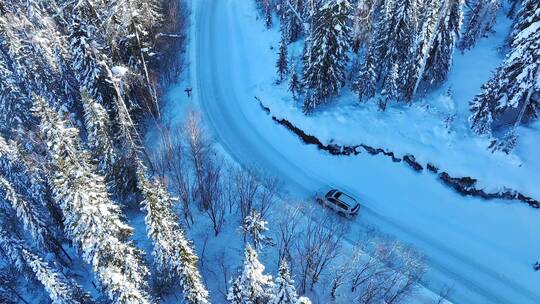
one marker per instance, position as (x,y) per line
(483,250)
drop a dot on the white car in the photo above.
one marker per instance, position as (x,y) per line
(344,204)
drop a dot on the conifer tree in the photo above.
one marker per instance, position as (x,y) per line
(268,14)
(22,191)
(514,87)
(235,293)
(282,64)
(395,40)
(482,107)
(252,286)
(325,56)
(366,84)
(60,289)
(284,291)
(22,70)
(303,300)
(424,43)
(91,220)
(295,86)
(13,101)
(363,17)
(34,45)
(309,9)
(87,57)
(254,225)
(173,253)
(98,125)
(441,56)
(506,143)
(479,21)
(292,22)
(390,90)
(27,213)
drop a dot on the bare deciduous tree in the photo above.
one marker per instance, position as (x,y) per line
(247,189)
(444,294)
(339,279)
(320,245)
(287,231)
(171,164)
(244,190)
(207,172)
(199,147)
(213,195)
(384,270)
(269,191)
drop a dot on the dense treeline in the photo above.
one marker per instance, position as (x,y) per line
(78,80)
(512,96)
(397,50)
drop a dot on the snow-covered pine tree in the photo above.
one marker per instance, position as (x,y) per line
(131,20)
(325,55)
(38,50)
(254,225)
(61,290)
(13,102)
(173,253)
(234,296)
(97,123)
(441,56)
(303,300)
(514,6)
(282,63)
(482,107)
(91,220)
(366,83)
(479,21)
(292,22)
(390,91)
(514,88)
(252,285)
(391,44)
(395,42)
(362,20)
(424,43)
(87,57)
(131,32)
(22,191)
(505,144)
(284,291)
(21,68)
(268,14)
(28,214)
(115,164)
(367,80)
(309,9)
(295,85)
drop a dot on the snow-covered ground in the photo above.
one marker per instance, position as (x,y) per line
(483,249)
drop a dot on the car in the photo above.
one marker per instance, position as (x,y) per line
(344,204)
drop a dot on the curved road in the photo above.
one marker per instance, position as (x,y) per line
(462,238)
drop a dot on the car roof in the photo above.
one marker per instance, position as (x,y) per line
(347,199)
